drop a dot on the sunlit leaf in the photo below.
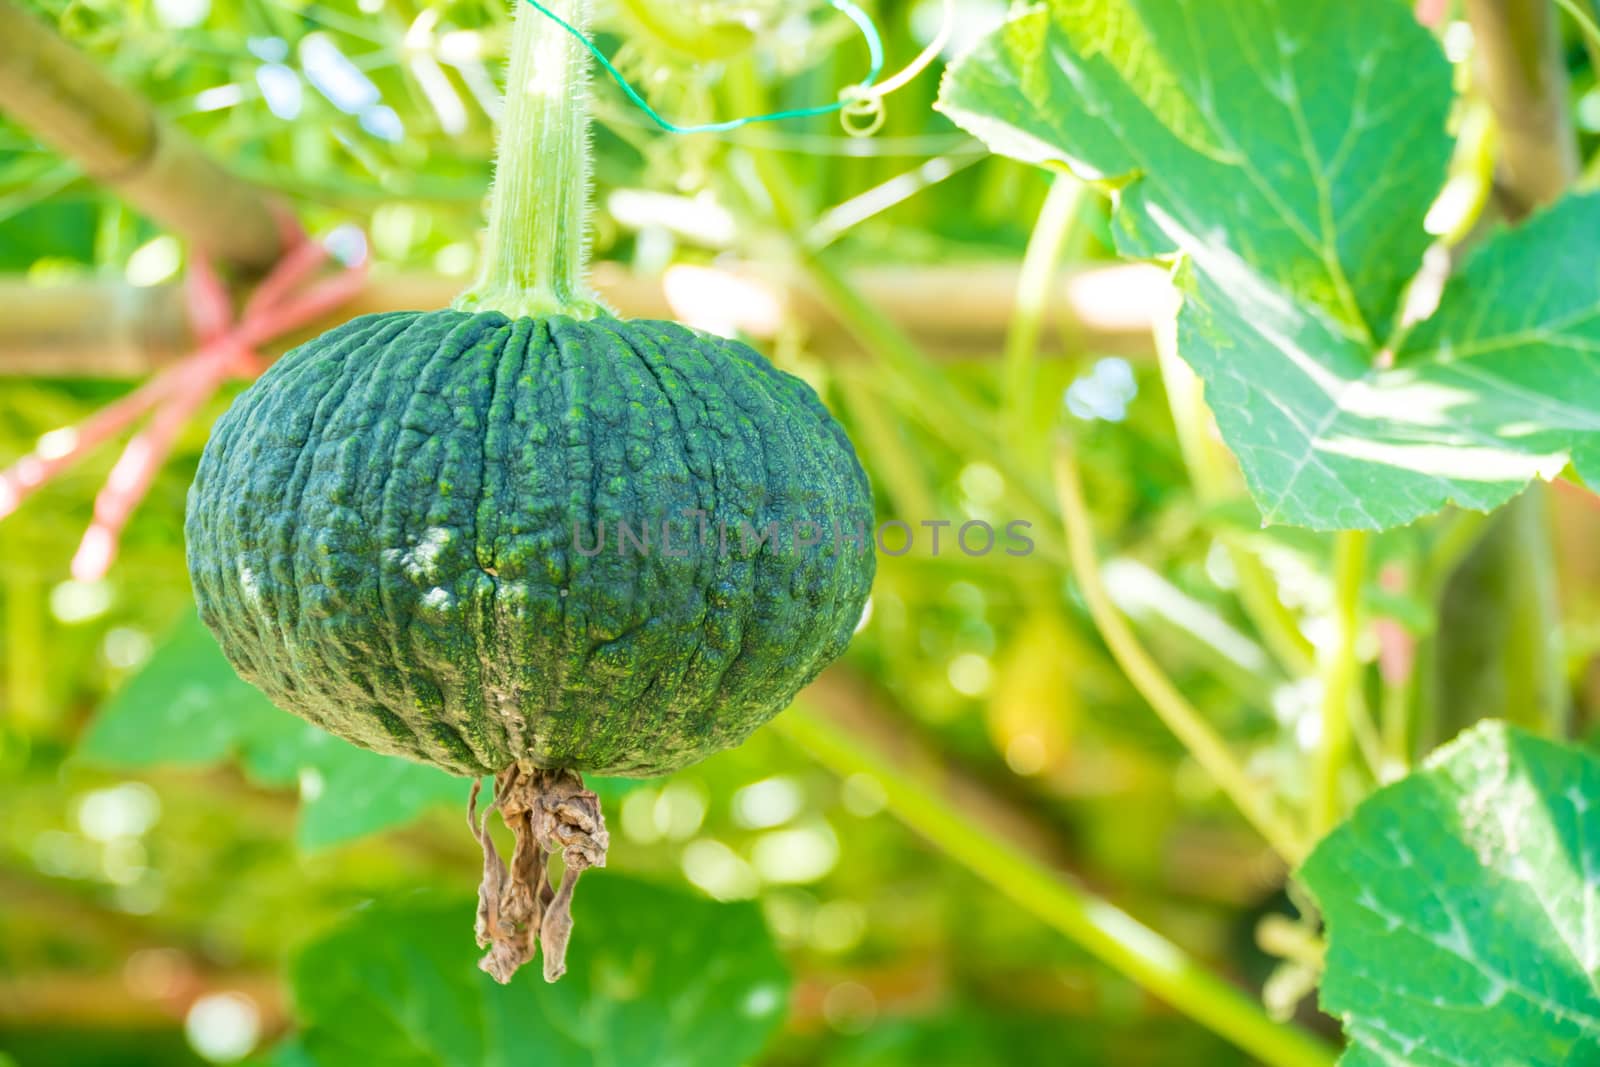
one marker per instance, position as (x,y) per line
(1463,908)
(1487,394)
(1294,179)
(1304,140)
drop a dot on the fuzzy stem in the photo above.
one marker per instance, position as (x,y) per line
(536,255)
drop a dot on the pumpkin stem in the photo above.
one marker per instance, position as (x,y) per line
(546,811)
(536,253)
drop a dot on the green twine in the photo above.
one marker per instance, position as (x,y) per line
(846,101)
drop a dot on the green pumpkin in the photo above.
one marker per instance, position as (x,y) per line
(396,533)
(528,539)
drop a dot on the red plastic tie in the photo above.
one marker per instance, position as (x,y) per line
(1431,13)
(284,301)
(1397,647)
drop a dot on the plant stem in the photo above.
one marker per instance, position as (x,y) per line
(1213,475)
(1340,673)
(1100,928)
(1182,718)
(1054,231)
(536,254)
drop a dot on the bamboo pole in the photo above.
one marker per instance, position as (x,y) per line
(61,97)
(111,329)
(1524,78)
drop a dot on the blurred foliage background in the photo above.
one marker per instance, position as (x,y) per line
(168,845)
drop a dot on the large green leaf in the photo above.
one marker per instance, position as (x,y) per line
(1290,151)
(655,976)
(187,706)
(1514,349)
(1463,909)
(1500,385)
(1304,139)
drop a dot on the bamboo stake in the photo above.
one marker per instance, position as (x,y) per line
(1524,78)
(60,96)
(110,329)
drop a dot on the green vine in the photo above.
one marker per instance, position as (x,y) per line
(1254,801)
(1103,930)
(1341,673)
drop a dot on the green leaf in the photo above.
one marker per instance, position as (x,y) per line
(188,707)
(1463,908)
(1295,186)
(1313,145)
(60,230)
(357,792)
(1513,352)
(655,976)
(1499,386)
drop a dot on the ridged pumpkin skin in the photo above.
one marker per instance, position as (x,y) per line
(382,534)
